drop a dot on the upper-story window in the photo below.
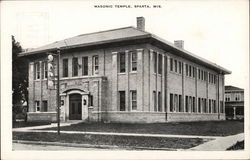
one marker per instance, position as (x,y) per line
(180,67)
(160,64)
(75,66)
(194,72)
(65,68)
(237,97)
(171,64)
(199,73)
(95,64)
(37,70)
(85,66)
(202,75)
(44,70)
(155,61)
(214,79)
(134,61)
(122,62)
(190,71)
(186,69)
(227,97)
(175,65)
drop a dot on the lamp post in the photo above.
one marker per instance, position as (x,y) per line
(58,92)
(51,83)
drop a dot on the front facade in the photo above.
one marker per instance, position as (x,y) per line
(125,75)
(234,102)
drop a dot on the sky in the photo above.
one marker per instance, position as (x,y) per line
(217,30)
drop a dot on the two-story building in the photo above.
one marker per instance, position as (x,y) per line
(234,102)
(125,75)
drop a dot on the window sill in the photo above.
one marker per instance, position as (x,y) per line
(123,73)
(133,72)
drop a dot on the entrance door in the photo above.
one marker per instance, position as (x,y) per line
(75,107)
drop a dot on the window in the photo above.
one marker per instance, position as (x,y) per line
(199,73)
(133,100)
(122,100)
(37,70)
(194,110)
(95,65)
(122,62)
(44,106)
(202,76)
(75,66)
(194,71)
(205,105)
(37,103)
(180,107)
(160,64)
(65,68)
(180,67)
(209,106)
(159,102)
(154,101)
(186,69)
(214,106)
(91,100)
(176,102)
(134,61)
(214,79)
(227,97)
(190,71)
(44,70)
(85,66)
(175,65)
(155,61)
(186,106)
(237,97)
(199,105)
(171,102)
(171,64)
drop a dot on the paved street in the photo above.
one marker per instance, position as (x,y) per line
(19,146)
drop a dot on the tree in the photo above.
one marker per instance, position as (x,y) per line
(19,76)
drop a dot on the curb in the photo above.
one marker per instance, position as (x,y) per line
(90,145)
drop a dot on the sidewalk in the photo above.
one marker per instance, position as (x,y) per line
(35,129)
(219,144)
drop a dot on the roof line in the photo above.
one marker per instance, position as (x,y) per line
(102,31)
(190,53)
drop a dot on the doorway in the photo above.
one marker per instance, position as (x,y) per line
(75,107)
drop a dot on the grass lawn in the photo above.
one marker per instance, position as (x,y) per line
(27,124)
(121,141)
(237,146)
(205,128)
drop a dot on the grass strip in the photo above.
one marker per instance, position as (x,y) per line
(204,128)
(121,141)
(237,146)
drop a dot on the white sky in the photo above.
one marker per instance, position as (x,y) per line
(217,30)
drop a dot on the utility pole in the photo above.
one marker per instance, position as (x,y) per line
(51,82)
(58,92)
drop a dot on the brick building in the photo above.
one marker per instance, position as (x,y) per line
(125,75)
(234,102)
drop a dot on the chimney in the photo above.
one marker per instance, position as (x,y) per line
(179,43)
(141,23)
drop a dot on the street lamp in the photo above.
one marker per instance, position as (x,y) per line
(51,83)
